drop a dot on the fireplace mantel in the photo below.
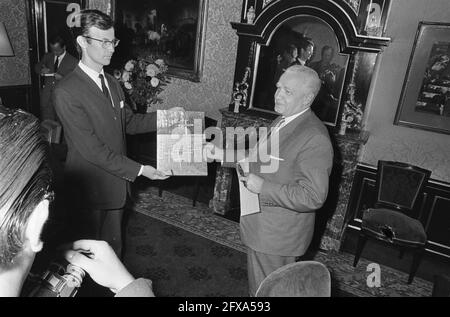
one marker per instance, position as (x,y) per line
(346,153)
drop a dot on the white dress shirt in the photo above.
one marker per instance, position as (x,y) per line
(289,119)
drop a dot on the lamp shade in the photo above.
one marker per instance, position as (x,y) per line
(5,44)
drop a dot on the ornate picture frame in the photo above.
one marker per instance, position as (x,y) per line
(425,98)
(172,30)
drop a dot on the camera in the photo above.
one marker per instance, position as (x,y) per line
(59,280)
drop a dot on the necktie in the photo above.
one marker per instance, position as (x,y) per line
(56,63)
(105,89)
(278,126)
(275,128)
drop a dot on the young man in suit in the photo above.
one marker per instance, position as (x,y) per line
(290,194)
(53,67)
(91,106)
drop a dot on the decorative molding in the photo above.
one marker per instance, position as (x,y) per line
(354,5)
(266,2)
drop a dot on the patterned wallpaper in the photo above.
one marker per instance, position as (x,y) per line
(15,70)
(388,141)
(214,90)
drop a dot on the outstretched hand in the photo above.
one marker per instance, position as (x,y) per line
(153,174)
(98,259)
(177,109)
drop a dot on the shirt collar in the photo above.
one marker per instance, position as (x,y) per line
(294,116)
(90,72)
(60,57)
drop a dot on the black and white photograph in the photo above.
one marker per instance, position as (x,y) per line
(217,156)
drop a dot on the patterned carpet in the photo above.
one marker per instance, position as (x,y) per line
(346,280)
(182,264)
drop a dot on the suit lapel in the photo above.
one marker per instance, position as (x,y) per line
(285,134)
(116,100)
(289,130)
(102,100)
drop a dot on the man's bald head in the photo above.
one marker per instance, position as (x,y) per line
(297,88)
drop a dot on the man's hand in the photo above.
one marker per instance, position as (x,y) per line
(177,109)
(152,173)
(252,182)
(58,76)
(45,70)
(98,259)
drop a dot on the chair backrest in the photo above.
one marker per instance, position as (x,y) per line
(299,279)
(51,131)
(399,185)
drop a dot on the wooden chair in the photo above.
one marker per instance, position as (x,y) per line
(394,219)
(51,131)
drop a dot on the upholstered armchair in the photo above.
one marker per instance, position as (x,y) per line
(394,218)
(299,279)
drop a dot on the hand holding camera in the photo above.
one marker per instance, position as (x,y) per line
(98,259)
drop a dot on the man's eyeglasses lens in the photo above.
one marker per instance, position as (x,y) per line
(105,43)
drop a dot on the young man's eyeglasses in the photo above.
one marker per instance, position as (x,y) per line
(105,43)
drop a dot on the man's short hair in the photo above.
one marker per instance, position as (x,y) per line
(313,83)
(57,40)
(91,18)
(25,177)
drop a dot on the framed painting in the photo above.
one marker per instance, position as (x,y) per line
(308,41)
(425,98)
(173,30)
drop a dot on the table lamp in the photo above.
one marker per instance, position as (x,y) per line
(5,44)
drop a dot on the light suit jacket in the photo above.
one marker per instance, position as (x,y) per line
(97,170)
(291,194)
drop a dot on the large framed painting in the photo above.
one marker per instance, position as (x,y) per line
(173,30)
(425,98)
(312,42)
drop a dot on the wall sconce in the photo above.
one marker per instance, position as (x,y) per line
(5,44)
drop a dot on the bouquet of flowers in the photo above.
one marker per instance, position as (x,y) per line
(143,80)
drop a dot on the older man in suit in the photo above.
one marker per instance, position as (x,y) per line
(291,193)
(90,104)
(53,66)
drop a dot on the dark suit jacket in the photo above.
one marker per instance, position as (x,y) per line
(66,66)
(97,168)
(291,192)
